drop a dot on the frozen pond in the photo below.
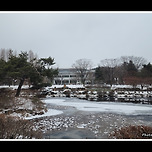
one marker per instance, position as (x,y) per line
(108,107)
(72,118)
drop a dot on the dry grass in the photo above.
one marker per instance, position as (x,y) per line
(133,132)
(6,99)
(14,127)
(11,128)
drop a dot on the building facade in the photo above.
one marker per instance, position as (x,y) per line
(69,76)
(66,76)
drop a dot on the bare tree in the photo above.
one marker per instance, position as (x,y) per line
(6,53)
(109,68)
(137,61)
(30,55)
(2,54)
(110,63)
(32,58)
(83,69)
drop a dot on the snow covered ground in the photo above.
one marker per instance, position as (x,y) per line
(13,87)
(69,86)
(110,107)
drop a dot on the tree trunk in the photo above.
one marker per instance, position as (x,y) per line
(19,87)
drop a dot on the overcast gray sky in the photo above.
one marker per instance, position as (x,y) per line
(71,36)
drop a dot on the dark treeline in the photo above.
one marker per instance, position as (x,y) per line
(124,70)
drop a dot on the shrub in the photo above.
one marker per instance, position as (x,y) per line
(133,132)
(11,128)
(6,99)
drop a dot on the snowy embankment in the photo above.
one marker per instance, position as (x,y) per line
(50,112)
(14,87)
(67,86)
(84,105)
(27,106)
(122,93)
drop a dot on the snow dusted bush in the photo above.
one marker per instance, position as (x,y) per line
(13,109)
(133,132)
(20,106)
(11,128)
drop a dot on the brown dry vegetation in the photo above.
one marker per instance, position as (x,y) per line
(14,127)
(10,104)
(11,128)
(133,132)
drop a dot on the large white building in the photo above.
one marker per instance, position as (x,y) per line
(66,76)
(69,76)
